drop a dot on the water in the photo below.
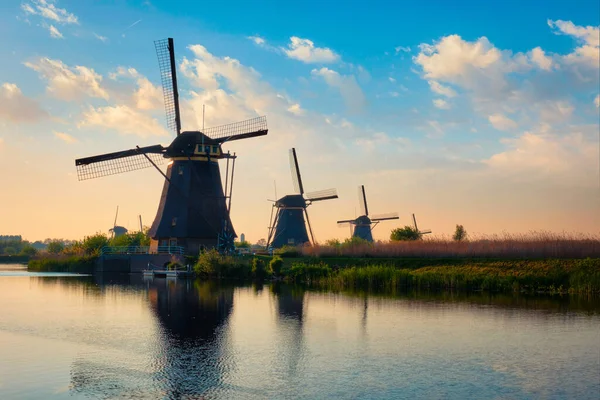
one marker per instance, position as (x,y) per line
(64,336)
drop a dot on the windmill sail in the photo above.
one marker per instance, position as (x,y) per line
(238,130)
(362,199)
(320,195)
(119,162)
(168,75)
(385,217)
(296,178)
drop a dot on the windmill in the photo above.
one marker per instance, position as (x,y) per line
(289,226)
(421,233)
(194,206)
(116,230)
(364,224)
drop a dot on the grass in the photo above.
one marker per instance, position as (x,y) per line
(548,276)
(527,246)
(62,263)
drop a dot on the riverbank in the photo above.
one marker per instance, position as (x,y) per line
(576,276)
(62,263)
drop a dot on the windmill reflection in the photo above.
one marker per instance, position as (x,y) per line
(192,315)
(290,318)
(189,357)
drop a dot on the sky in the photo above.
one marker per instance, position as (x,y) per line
(480,114)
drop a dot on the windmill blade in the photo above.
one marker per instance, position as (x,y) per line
(362,200)
(119,162)
(116,215)
(425,232)
(321,195)
(384,217)
(346,221)
(296,178)
(238,130)
(168,75)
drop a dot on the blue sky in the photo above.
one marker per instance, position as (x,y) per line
(475,113)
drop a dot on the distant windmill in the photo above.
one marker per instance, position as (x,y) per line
(116,230)
(364,224)
(421,233)
(289,226)
(194,208)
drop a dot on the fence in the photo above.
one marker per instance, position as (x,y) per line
(142,250)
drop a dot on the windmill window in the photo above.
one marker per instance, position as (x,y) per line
(181,170)
(174,221)
(207,149)
(291,241)
(215,149)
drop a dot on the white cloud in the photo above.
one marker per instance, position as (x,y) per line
(394,94)
(257,40)
(46,9)
(101,38)
(392,79)
(147,96)
(346,84)
(65,137)
(441,104)
(296,109)
(436,129)
(124,120)
(589,38)
(69,83)
(502,122)
(402,48)
(55,33)
(538,57)
(16,107)
(597,101)
(438,88)
(305,51)
(567,156)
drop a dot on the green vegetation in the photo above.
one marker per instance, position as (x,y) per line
(406,233)
(55,247)
(275,265)
(460,233)
(242,245)
(62,263)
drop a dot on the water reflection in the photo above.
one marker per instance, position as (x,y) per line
(128,337)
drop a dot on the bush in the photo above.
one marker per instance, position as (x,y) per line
(307,273)
(275,265)
(288,251)
(406,233)
(92,245)
(258,268)
(10,251)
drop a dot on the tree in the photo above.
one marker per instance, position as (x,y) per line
(10,250)
(406,233)
(460,233)
(244,245)
(29,250)
(261,243)
(55,247)
(93,244)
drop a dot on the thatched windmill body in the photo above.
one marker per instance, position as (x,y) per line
(291,217)
(364,224)
(194,207)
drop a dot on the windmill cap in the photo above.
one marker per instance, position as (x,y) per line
(188,140)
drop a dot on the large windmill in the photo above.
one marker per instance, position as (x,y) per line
(289,226)
(194,206)
(364,224)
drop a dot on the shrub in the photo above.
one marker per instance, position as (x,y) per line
(10,251)
(258,268)
(275,265)
(406,233)
(288,251)
(92,245)
(307,273)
